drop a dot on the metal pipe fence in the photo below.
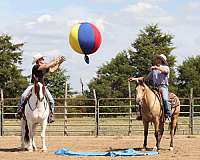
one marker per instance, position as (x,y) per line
(102,117)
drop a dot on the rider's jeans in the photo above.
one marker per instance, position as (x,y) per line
(167,107)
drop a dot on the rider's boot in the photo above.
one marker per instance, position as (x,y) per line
(51,118)
(20,110)
(51,115)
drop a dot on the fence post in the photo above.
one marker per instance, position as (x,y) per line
(130,111)
(96,113)
(191,112)
(1,112)
(65,111)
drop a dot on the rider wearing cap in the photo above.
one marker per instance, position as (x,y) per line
(160,75)
(39,70)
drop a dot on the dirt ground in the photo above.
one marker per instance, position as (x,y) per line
(186,147)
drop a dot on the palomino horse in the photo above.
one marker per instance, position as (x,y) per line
(152,111)
(36,112)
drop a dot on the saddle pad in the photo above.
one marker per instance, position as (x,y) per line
(173,100)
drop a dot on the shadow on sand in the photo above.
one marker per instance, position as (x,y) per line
(11,150)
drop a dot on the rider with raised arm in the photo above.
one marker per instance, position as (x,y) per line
(39,70)
(159,74)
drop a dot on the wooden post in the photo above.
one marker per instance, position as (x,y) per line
(130,110)
(191,112)
(96,113)
(65,111)
(1,114)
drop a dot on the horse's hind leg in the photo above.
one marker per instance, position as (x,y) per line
(44,126)
(146,127)
(173,126)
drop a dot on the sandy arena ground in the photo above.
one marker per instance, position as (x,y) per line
(186,147)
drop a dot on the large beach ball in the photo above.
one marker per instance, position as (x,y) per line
(85,38)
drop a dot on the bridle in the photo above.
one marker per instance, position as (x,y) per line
(141,98)
(37,91)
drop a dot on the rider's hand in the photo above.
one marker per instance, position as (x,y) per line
(154,67)
(61,59)
(132,79)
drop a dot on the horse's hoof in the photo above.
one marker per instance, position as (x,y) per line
(155,148)
(171,148)
(35,149)
(143,149)
(44,150)
(30,150)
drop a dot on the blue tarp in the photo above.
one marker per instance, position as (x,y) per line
(127,152)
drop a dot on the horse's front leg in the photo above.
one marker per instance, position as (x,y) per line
(157,135)
(23,123)
(30,145)
(146,128)
(34,145)
(44,126)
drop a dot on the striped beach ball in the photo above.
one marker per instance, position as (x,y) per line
(85,38)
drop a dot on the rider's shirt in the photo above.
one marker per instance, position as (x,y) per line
(39,74)
(159,78)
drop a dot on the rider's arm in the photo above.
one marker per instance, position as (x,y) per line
(139,78)
(59,59)
(47,66)
(163,69)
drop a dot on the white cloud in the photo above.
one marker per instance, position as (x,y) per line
(44,18)
(143,8)
(106,1)
(192,6)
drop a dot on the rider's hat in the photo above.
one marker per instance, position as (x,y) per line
(163,58)
(36,57)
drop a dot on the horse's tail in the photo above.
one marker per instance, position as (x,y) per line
(26,136)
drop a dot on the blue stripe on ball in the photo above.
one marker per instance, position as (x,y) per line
(86,38)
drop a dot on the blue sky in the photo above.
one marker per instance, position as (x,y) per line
(44,26)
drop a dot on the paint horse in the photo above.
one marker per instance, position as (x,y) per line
(36,112)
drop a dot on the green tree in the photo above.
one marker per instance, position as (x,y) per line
(12,81)
(56,83)
(151,42)
(189,77)
(112,78)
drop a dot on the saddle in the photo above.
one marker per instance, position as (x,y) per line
(172,98)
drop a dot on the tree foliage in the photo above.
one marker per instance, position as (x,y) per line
(112,78)
(189,76)
(56,83)
(12,81)
(151,42)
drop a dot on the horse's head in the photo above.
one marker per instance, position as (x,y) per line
(39,89)
(140,91)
